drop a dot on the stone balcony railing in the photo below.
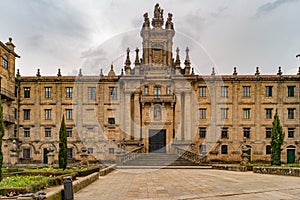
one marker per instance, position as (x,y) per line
(121,159)
(6,93)
(9,118)
(158,98)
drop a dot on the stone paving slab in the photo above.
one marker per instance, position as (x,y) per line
(190,184)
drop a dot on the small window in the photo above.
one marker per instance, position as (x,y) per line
(202,132)
(146,90)
(224,132)
(69,92)
(90,150)
(168,90)
(224,149)
(69,132)
(26,132)
(111,120)
(246,91)
(26,114)
(92,93)
(269,91)
(291,113)
(47,114)
(70,152)
(202,148)
(48,92)
(47,132)
(268,132)
(111,150)
(69,114)
(202,90)
(269,113)
(224,91)
(113,93)
(26,92)
(268,149)
(246,112)
(26,153)
(224,113)
(157,91)
(291,90)
(202,113)
(246,132)
(291,133)
(5,61)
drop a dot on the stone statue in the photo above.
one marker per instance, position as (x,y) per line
(245,156)
(169,23)
(156,11)
(146,23)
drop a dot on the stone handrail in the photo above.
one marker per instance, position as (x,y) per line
(121,159)
(191,156)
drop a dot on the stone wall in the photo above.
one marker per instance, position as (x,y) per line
(287,171)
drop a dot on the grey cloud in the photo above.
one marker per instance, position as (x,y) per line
(267,7)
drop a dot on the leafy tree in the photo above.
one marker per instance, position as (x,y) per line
(1,136)
(277,138)
(63,148)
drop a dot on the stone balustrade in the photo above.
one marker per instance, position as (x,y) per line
(125,157)
(191,156)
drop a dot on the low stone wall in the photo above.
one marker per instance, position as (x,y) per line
(107,170)
(237,168)
(287,171)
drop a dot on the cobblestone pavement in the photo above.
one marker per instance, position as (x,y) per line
(190,184)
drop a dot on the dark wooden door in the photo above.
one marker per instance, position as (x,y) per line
(290,156)
(157,141)
(45,160)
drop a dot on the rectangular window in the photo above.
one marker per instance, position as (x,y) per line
(111,120)
(224,113)
(202,132)
(291,132)
(113,93)
(246,91)
(268,132)
(5,61)
(224,91)
(246,132)
(269,113)
(269,91)
(69,132)
(224,149)
(291,90)
(47,114)
(26,153)
(47,132)
(291,113)
(26,114)
(69,92)
(168,90)
(202,148)
(157,91)
(224,132)
(26,92)
(92,93)
(202,113)
(246,112)
(90,150)
(26,132)
(268,149)
(70,152)
(202,91)
(69,115)
(48,92)
(111,150)
(146,90)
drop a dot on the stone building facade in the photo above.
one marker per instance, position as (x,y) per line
(155,102)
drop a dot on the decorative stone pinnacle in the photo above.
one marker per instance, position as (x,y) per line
(279,73)
(80,72)
(298,71)
(193,71)
(213,73)
(234,71)
(18,73)
(257,71)
(58,73)
(177,56)
(187,58)
(137,60)
(10,39)
(101,72)
(38,74)
(122,72)
(127,62)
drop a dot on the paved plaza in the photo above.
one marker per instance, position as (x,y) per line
(190,184)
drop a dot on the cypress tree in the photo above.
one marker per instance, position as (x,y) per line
(63,148)
(277,138)
(1,136)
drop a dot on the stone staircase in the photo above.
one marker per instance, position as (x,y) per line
(159,159)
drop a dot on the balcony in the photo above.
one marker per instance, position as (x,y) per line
(8,118)
(6,94)
(158,98)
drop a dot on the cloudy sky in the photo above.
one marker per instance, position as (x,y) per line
(73,34)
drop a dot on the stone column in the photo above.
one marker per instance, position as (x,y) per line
(136,117)
(127,117)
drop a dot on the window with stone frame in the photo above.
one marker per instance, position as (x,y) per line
(47,132)
(291,91)
(224,149)
(111,150)
(70,152)
(224,91)
(5,61)
(26,153)
(202,148)
(26,114)
(111,120)
(90,150)
(291,132)
(268,132)
(246,132)
(291,113)
(69,132)
(26,92)
(202,132)
(202,113)
(69,114)
(269,91)
(224,132)
(246,91)
(48,114)
(26,132)
(113,93)
(202,90)
(146,90)
(268,149)
(168,90)
(92,93)
(246,113)
(48,92)
(69,92)
(268,113)
(224,113)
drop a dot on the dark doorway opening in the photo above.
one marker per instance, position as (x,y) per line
(45,160)
(157,141)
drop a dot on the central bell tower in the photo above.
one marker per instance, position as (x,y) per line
(157,41)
